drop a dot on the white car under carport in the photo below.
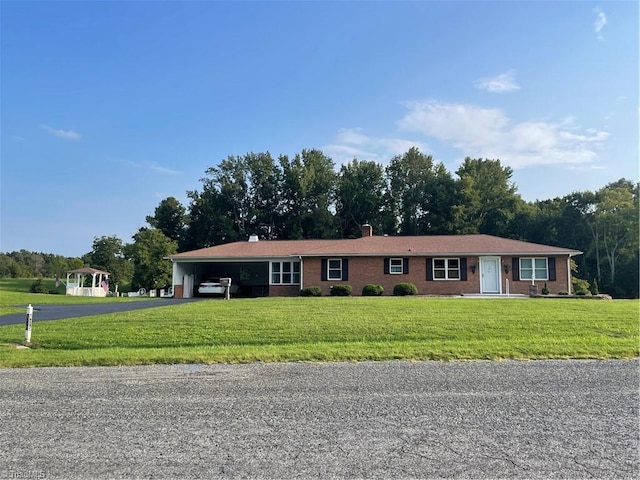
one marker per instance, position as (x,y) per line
(211,287)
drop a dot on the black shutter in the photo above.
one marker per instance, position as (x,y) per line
(463,269)
(405,265)
(515,268)
(429,269)
(323,269)
(345,269)
(552,269)
(387,260)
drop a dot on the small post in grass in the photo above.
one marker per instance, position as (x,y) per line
(27,326)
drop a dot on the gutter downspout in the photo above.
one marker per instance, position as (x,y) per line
(301,273)
(569,274)
(174,274)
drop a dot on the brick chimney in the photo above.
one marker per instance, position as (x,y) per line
(367,230)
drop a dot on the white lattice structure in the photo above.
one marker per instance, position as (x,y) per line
(99,282)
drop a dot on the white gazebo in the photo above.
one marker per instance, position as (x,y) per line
(99,282)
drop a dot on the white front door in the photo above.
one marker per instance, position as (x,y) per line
(490,275)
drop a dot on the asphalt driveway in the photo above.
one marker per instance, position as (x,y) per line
(58,312)
(374,420)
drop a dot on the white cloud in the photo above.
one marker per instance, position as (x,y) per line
(505,82)
(489,133)
(352,143)
(586,168)
(599,23)
(150,166)
(65,134)
(162,170)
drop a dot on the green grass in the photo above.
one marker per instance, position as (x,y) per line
(335,329)
(15,296)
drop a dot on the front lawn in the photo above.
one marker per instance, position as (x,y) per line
(15,296)
(334,329)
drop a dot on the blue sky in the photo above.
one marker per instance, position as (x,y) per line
(109,107)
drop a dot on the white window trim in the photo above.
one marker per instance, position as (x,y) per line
(329,270)
(533,268)
(340,269)
(446,269)
(401,272)
(292,272)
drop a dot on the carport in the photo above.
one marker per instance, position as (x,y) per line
(250,278)
(257,269)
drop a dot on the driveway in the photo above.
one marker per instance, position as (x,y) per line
(58,312)
(534,420)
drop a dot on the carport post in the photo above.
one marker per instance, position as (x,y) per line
(27,326)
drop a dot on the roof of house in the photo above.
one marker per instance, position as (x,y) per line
(445,245)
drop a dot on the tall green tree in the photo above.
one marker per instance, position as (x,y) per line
(209,220)
(602,224)
(56,265)
(360,197)
(264,195)
(616,215)
(107,254)
(222,211)
(31,263)
(171,218)
(487,199)
(240,196)
(229,180)
(12,268)
(420,194)
(308,191)
(583,226)
(25,264)
(147,253)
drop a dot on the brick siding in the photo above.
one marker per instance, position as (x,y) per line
(365,270)
(284,290)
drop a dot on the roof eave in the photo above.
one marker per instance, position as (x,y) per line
(443,254)
(259,258)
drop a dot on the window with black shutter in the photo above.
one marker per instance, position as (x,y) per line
(515,268)
(463,269)
(345,269)
(534,268)
(446,269)
(334,269)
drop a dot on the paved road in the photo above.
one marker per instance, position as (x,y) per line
(539,419)
(57,312)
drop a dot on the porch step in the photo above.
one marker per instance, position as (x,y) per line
(493,295)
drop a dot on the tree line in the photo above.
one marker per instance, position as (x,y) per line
(305,197)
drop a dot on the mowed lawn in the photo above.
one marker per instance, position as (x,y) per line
(334,329)
(14,297)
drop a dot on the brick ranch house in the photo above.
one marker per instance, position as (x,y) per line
(437,265)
